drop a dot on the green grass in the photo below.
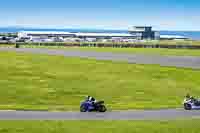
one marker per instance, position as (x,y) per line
(9,34)
(146,51)
(7,45)
(178,126)
(42,82)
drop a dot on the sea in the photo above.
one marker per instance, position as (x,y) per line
(195,35)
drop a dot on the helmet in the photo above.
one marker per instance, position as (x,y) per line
(188,95)
(87,97)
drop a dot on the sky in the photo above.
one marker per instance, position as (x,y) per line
(101,14)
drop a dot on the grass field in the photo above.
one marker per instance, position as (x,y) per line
(178,126)
(41,82)
(7,45)
(146,51)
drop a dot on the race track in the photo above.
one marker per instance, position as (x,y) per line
(174,61)
(172,114)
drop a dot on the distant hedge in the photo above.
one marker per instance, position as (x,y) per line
(147,44)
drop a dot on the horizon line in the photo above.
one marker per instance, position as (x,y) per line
(86,28)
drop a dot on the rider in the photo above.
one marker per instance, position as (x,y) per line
(91,99)
(188,97)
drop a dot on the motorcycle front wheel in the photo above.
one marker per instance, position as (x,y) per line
(187,106)
(83,109)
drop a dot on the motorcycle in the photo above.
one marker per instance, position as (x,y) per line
(87,106)
(190,104)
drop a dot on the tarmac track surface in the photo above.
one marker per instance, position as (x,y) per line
(171,61)
(171,114)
